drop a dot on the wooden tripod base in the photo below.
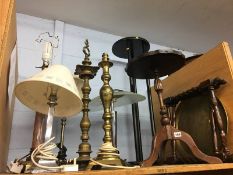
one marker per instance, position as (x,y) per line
(168,132)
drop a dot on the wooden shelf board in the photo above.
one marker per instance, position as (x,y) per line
(164,169)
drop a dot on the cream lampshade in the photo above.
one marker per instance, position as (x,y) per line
(79,84)
(34,92)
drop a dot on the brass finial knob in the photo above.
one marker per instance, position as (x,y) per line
(105,57)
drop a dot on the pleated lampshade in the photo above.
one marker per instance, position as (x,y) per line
(34,92)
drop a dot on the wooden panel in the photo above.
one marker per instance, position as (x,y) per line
(215,63)
(3,13)
(8,40)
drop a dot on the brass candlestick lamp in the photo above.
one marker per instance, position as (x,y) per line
(85,72)
(107,154)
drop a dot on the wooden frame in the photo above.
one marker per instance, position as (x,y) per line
(7,43)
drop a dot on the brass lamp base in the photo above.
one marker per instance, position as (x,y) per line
(84,156)
(108,155)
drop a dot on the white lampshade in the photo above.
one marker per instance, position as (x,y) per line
(34,92)
(79,84)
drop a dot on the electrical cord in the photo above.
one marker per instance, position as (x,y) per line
(109,147)
(113,166)
(44,151)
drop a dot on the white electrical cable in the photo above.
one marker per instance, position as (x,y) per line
(44,151)
(106,147)
(113,166)
(109,147)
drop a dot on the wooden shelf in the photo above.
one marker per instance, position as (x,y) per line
(194,169)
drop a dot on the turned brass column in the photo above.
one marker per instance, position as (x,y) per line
(106,95)
(85,72)
(107,154)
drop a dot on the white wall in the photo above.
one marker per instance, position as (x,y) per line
(70,54)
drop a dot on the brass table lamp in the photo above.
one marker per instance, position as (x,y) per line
(107,154)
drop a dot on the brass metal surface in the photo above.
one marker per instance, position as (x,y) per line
(107,154)
(85,72)
(193,115)
(106,95)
